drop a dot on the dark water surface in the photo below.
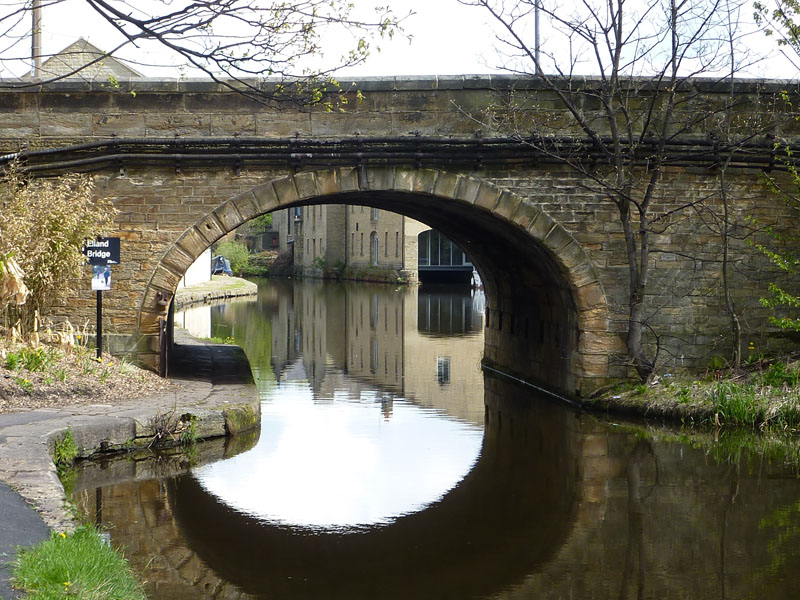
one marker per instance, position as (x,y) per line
(388,466)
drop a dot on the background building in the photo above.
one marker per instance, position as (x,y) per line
(366,243)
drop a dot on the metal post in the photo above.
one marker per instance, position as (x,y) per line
(536,36)
(99,324)
(36,38)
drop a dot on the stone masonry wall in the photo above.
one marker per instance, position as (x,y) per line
(159,204)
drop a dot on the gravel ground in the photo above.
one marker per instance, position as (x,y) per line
(72,379)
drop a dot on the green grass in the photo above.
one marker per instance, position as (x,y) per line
(77,565)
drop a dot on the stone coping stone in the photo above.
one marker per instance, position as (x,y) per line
(376,83)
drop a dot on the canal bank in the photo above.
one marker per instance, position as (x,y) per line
(221,287)
(218,400)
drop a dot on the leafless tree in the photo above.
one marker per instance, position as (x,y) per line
(641,58)
(235,42)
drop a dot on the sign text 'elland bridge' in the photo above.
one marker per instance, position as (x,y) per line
(186,162)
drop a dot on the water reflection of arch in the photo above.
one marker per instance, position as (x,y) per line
(509,515)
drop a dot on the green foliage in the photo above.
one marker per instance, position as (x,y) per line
(260,224)
(237,254)
(77,565)
(33,359)
(189,431)
(44,223)
(219,340)
(24,383)
(65,450)
(736,403)
(717,362)
(13,361)
(778,374)
(319,263)
(779,20)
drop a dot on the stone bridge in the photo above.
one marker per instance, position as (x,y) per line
(186,162)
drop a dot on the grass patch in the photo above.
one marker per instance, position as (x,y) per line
(76,565)
(219,340)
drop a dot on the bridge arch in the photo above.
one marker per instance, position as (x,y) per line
(547,312)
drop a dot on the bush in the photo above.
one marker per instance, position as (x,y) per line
(237,254)
(43,225)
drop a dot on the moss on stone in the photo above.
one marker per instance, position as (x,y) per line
(240,418)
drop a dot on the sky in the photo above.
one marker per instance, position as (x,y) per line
(448,39)
(367,468)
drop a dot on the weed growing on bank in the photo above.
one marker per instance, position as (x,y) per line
(81,564)
(765,396)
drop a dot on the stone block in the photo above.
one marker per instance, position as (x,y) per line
(507,205)
(572,255)
(348,179)
(467,189)
(424,181)
(285,190)
(590,295)
(524,214)
(592,342)
(446,185)
(404,180)
(65,124)
(306,185)
(327,181)
(541,226)
(192,243)
(378,178)
(282,125)
(228,216)
(177,259)
(211,229)
(121,125)
(177,125)
(593,319)
(557,239)
(232,125)
(265,197)
(23,126)
(245,205)
(165,279)
(487,196)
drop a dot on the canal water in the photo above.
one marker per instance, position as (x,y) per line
(388,465)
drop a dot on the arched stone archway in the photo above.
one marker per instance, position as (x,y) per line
(546,306)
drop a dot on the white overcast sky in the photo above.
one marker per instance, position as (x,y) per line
(448,39)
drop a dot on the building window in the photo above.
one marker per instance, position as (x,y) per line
(362,243)
(443,369)
(374,214)
(315,248)
(396,244)
(374,248)
(352,243)
(386,243)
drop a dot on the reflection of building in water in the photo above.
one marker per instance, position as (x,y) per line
(196,320)
(378,244)
(359,337)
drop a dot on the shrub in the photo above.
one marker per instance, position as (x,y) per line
(237,254)
(43,225)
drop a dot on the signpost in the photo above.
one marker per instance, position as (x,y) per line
(101,254)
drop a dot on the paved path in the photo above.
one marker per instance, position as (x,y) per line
(216,385)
